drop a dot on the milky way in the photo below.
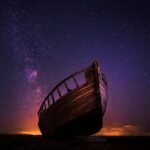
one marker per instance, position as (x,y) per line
(44,41)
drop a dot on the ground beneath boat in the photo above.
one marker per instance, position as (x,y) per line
(22,142)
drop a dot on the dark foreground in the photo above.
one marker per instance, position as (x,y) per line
(21,142)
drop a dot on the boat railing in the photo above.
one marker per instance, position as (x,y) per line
(78,79)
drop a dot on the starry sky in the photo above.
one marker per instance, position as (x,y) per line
(42,42)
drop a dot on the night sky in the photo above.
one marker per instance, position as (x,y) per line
(42,42)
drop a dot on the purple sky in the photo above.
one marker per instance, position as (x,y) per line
(42,42)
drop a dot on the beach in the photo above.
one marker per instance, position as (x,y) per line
(21,142)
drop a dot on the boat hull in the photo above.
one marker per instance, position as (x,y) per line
(78,113)
(84,125)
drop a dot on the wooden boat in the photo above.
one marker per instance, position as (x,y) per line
(75,107)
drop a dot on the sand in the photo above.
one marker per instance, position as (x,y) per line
(21,142)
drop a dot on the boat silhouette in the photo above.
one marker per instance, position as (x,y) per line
(75,106)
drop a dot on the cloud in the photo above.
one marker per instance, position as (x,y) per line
(127,130)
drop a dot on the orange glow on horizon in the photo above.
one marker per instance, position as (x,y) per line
(127,130)
(32,132)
